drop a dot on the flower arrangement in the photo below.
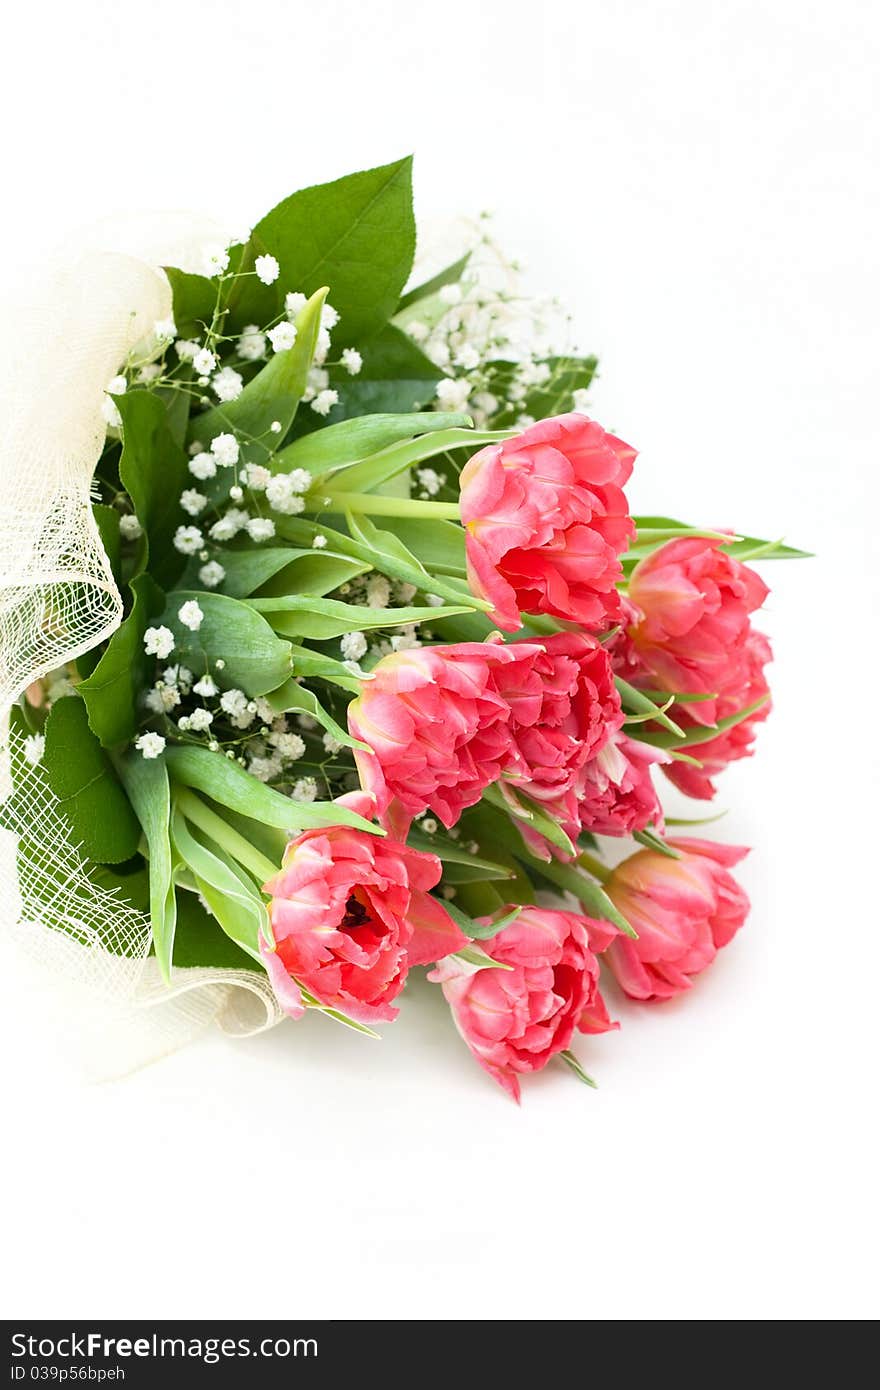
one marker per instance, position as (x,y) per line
(396,661)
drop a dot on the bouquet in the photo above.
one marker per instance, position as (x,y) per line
(366,661)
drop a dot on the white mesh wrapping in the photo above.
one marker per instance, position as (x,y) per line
(58,599)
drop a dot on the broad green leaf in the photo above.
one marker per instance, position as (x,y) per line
(224,781)
(356,234)
(232,896)
(699,733)
(651,840)
(292,696)
(112,691)
(199,941)
(287,571)
(146,781)
(396,376)
(453,853)
(89,792)
(194,299)
(272,395)
(372,472)
(337,446)
(637,703)
(391,550)
(321,618)
(308,663)
(526,811)
(107,522)
(478,931)
(153,471)
(256,661)
(594,898)
(449,276)
(439,544)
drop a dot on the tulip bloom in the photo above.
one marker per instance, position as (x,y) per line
(684,911)
(616,794)
(546,520)
(515,1020)
(350,914)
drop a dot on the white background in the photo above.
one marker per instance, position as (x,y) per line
(695,179)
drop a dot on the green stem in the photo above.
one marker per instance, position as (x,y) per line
(223,834)
(594,866)
(372,504)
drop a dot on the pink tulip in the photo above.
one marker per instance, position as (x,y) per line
(684,911)
(735,742)
(691,621)
(515,1020)
(546,520)
(437,728)
(616,795)
(350,914)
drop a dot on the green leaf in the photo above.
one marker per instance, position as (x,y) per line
(349,441)
(112,691)
(256,661)
(372,472)
(107,521)
(199,941)
(637,703)
(153,471)
(287,571)
(272,395)
(392,551)
(297,615)
(595,899)
(307,663)
(700,734)
(146,781)
(87,787)
(571,1061)
(651,840)
(527,811)
(194,300)
(232,896)
(478,931)
(453,855)
(356,234)
(450,276)
(472,955)
(293,696)
(439,544)
(224,781)
(396,376)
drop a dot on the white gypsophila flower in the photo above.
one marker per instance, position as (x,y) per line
(206,687)
(117,386)
(264,768)
(329,317)
(581,400)
(322,346)
(282,336)
(159,641)
(305,721)
(290,746)
(418,331)
(188,540)
(316,381)
(485,401)
(325,401)
(233,702)
(453,394)
(276,427)
(200,720)
(450,294)
(236,493)
(429,825)
(293,303)
(433,600)
(228,384)
(150,745)
(220,664)
(211,574)
(300,480)
(162,698)
(260,528)
(186,349)
(165,330)
(59,685)
(467,357)
(229,524)
(193,502)
(34,747)
(252,343)
(203,466)
(319,543)
(405,592)
(257,477)
(225,449)
(431,480)
(130,528)
(331,744)
(405,640)
(267,269)
(204,362)
(304,789)
(524,422)
(215,259)
(264,710)
(110,412)
(352,361)
(438,351)
(281,496)
(378,591)
(178,675)
(151,371)
(353,646)
(191,615)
